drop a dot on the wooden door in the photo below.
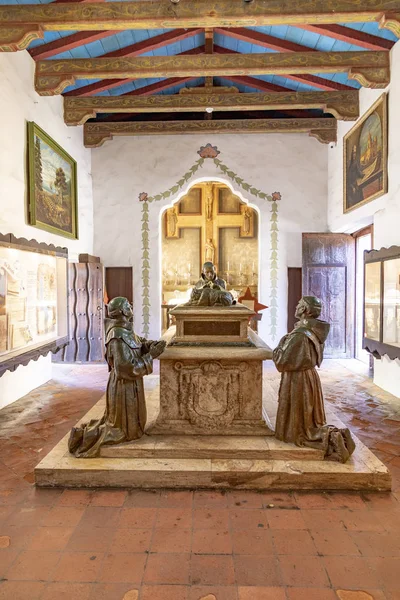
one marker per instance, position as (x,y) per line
(294,294)
(85,315)
(119,283)
(328,273)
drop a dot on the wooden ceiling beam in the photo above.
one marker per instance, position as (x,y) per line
(95,134)
(371,69)
(350,36)
(21,24)
(343,105)
(318,82)
(109,84)
(69,42)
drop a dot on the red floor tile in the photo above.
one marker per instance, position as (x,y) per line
(78,567)
(293,541)
(108,498)
(285,519)
(63,516)
(209,592)
(101,516)
(130,540)
(249,519)
(351,572)
(210,499)
(21,590)
(336,542)
(32,565)
(167,569)
(303,571)
(206,518)
(245,499)
(210,541)
(51,538)
(212,570)
(164,592)
(136,518)
(261,593)
(257,570)
(67,591)
(174,517)
(123,568)
(90,539)
(258,543)
(171,540)
(75,498)
(176,499)
(310,594)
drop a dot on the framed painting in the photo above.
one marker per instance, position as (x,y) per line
(365,158)
(52,194)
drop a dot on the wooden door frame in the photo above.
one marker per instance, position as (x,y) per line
(368,229)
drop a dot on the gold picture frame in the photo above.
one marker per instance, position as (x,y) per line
(52,190)
(365,155)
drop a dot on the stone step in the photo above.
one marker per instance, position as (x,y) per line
(210,447)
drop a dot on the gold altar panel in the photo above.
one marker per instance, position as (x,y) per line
(227,202)
(191,203)
(181,259)
(238,258)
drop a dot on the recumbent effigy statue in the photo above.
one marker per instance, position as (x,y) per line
(129,358)
(301,416)
(210,290)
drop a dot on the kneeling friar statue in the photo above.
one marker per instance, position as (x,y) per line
(129,358)
(301,415)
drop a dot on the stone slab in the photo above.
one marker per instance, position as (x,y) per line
(294,470)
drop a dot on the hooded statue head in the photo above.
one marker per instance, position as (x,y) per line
(119,307)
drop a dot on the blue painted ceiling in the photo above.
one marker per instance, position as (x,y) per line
(296,35)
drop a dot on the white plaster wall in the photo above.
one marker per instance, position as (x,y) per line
(294,165)
(384,212)
(19,103)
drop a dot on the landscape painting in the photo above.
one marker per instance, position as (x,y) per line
(52,185)
(365,157)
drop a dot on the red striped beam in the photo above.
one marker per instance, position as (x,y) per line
(351,36)
(258,84)
(267,41)
(134,50)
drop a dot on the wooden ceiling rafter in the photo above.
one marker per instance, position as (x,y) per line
(21,24)
(370,69)
(364,40)
(95,134)
(343,105)
(78,39)
(278,45)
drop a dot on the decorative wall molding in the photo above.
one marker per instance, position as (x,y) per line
(210,152)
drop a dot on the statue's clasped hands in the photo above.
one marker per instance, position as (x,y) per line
(157,348)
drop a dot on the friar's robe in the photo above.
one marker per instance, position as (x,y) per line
(301,414)
(124,418)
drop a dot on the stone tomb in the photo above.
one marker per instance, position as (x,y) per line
(208,424)
(211,374)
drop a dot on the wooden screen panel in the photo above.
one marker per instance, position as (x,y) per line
(119,282)
(86,315)
(328,273)
(294,294)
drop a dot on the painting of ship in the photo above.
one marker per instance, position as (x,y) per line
(365,157)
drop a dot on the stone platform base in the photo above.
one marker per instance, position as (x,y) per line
(218,462)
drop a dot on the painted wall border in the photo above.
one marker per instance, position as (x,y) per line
(210,152)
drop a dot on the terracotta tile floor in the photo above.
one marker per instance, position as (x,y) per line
(137,545)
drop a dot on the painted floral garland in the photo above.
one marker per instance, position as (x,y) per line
(209,151)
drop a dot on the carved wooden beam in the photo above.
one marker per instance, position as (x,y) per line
(95,134)
(371,69)
(343,105)
(108,84)
(19,23)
